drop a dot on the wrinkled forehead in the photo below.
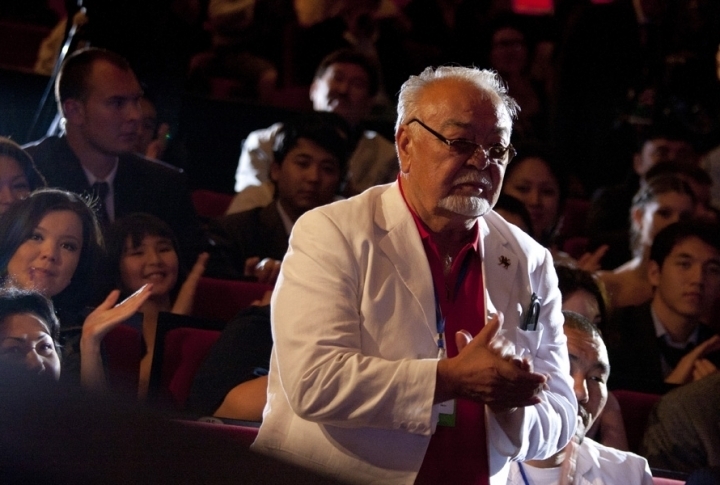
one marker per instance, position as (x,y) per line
(460,101)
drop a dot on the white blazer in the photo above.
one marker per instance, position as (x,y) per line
(353,367)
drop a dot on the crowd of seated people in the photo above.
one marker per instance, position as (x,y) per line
(117,231)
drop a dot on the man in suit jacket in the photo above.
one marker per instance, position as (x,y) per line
(663,343)
(310,157)
(98,96)
(388,363)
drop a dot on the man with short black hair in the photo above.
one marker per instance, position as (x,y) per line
(310,158)
(661,344)
(99,96)
(345,83)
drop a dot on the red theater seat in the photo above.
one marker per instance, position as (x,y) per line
(222,299)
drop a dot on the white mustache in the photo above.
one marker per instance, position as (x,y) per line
(473,178)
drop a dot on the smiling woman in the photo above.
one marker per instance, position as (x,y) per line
(142,250)
(51,244)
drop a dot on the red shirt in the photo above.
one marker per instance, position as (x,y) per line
(458,454)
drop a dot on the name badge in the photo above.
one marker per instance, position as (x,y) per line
(447,413)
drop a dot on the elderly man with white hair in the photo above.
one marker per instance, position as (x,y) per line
(418,336)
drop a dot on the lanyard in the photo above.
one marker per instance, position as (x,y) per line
(439,318)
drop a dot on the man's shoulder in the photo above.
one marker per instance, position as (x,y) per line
(498,226)
(242,220)
(151,166)
(606,456)
(355,214)
(46,148)
(267,133)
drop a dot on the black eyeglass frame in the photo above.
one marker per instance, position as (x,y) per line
(508,152)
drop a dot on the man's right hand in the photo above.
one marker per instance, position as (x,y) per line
(480,373)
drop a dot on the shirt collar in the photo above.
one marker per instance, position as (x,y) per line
(660,331)
(287,222)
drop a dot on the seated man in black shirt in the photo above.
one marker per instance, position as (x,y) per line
(310,157)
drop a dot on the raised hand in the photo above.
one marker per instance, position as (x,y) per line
(103,319)
(184,301)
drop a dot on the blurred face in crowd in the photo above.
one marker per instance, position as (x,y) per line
(689,279)
(534,184)
(508,54)
(584,303)
(308,177)
(14,185)
(663,150)
(108,119)
(453,184)
(47,260)
(26,341)
(154,261)
(147,125)
(589,369)
(659,213)
(344,88)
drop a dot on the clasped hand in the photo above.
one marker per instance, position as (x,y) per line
(483,372)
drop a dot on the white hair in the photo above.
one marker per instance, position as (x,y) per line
(485,79)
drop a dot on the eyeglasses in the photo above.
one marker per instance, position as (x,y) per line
(497,154)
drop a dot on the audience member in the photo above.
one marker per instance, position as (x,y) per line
(236,41)
(98,97)
(660,202)
(29,331)
(582,293)
(345,83)
(355,310)
(232,380)
(583,457)
(682,430)
(607,221)
(510,55)
(142,249)
(698,180)
(662,343)
(152,136)
(514,211)
(18,175)
(536,180)
(51,242)
(309,161)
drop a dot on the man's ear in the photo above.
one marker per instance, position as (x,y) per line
(275,169)
(403,142)
(74,111)
(654,274)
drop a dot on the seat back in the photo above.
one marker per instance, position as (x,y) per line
(181,344)
(123,349)
(210,204)
(635,407)
(218,299)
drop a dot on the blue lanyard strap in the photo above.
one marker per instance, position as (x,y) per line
(439,318)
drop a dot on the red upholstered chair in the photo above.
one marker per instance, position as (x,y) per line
(209,204)
(123,349)
(576,246)
(222,299)
(181,344)
(635,408)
